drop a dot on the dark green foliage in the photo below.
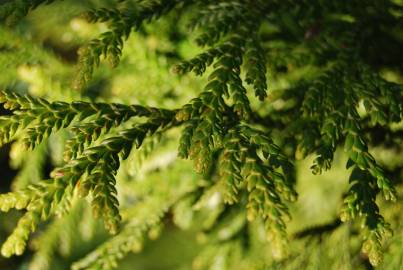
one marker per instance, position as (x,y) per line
(13,11)
(243,145)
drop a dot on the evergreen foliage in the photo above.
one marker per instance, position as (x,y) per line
(335,67)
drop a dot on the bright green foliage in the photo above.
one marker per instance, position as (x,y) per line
(130,239)
(334,71)
(40,201)
(98,164)
(122,21)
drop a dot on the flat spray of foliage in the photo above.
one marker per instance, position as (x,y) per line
(225,129)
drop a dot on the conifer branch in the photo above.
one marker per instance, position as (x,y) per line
(329,91)
(360,202)
(14,11)
(110,44)
(40,201)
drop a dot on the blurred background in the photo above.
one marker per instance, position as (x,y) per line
(38,56)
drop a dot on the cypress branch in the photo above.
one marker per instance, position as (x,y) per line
(327,63)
